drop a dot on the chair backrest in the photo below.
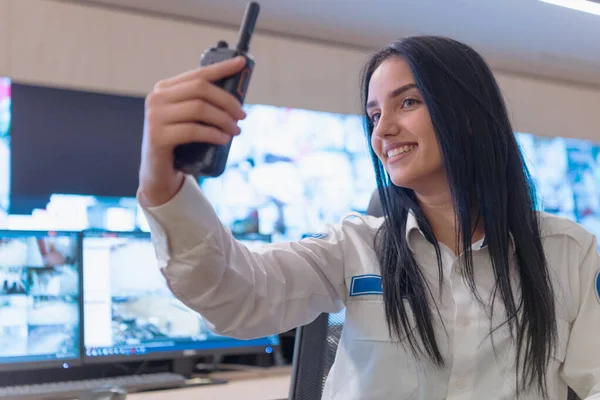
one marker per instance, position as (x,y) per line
(572,396)
(314,353)
(374,208)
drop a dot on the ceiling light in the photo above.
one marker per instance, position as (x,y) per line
(589,6)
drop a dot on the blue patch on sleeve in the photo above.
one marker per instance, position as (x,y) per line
(317,236)
(362,285)
(598,286)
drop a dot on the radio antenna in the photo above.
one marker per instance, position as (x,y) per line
(247,27)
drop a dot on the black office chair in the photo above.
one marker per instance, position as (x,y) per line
(314,353)
(374,207)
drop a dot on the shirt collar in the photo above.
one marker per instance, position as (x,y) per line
(412,228)
(412,225)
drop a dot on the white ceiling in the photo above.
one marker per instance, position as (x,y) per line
(521,35)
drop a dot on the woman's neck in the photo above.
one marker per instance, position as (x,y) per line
(439,211)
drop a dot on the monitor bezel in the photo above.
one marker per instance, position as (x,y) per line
(53,362)
(164,355)
(176,354)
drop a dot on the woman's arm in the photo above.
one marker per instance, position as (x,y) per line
(241,293)
(581,369)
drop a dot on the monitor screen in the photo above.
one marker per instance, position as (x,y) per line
(566,173)
(5,118)
(39,296)
(293,171)
(72,135)
(81,212)
(130,312)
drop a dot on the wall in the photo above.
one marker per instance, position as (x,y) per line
(552,108)
(71,45)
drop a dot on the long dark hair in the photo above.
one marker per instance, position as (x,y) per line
(487,174)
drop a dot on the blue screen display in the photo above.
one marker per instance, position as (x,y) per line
(130,311)
(39,296)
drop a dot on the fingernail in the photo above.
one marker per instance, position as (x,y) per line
(234,129)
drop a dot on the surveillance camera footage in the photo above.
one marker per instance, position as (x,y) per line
(133,310)
(5,119)
(566,173)
(39,295)
(292,171)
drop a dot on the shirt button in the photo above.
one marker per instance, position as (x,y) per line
(461,384)
(465,322)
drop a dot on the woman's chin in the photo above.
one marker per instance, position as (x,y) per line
(402,179)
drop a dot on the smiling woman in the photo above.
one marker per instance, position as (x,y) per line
(449,109)
(458,291)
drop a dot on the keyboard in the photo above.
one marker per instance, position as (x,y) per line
(74,389)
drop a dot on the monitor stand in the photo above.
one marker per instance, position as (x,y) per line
(187,368)
(184,366)
(217,366)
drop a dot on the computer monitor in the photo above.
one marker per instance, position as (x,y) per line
(130,313)
(5,118)
(75,212)
(293,171)
(40,290)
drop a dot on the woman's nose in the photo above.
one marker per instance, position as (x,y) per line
(386,126)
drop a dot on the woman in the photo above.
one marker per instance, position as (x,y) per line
(461,291)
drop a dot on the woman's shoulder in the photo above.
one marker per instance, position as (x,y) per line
(553,225)
(351,227)
(361,222)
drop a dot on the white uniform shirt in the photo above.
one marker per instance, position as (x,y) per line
(247,294)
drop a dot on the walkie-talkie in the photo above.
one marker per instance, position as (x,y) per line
(206,159)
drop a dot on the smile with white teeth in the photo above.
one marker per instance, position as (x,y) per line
(401,150)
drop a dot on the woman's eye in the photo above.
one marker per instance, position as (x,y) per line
(375,117)
(409,103)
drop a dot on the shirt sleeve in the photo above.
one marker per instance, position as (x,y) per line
(581,369)
(242,293)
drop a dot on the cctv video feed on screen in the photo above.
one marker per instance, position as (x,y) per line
(295,171)
(39,296)
(133,311)
(5,118)
(292,171)
(566,173)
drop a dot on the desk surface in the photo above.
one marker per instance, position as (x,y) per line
(264,388)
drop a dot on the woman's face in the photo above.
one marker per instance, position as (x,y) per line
(403,136)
